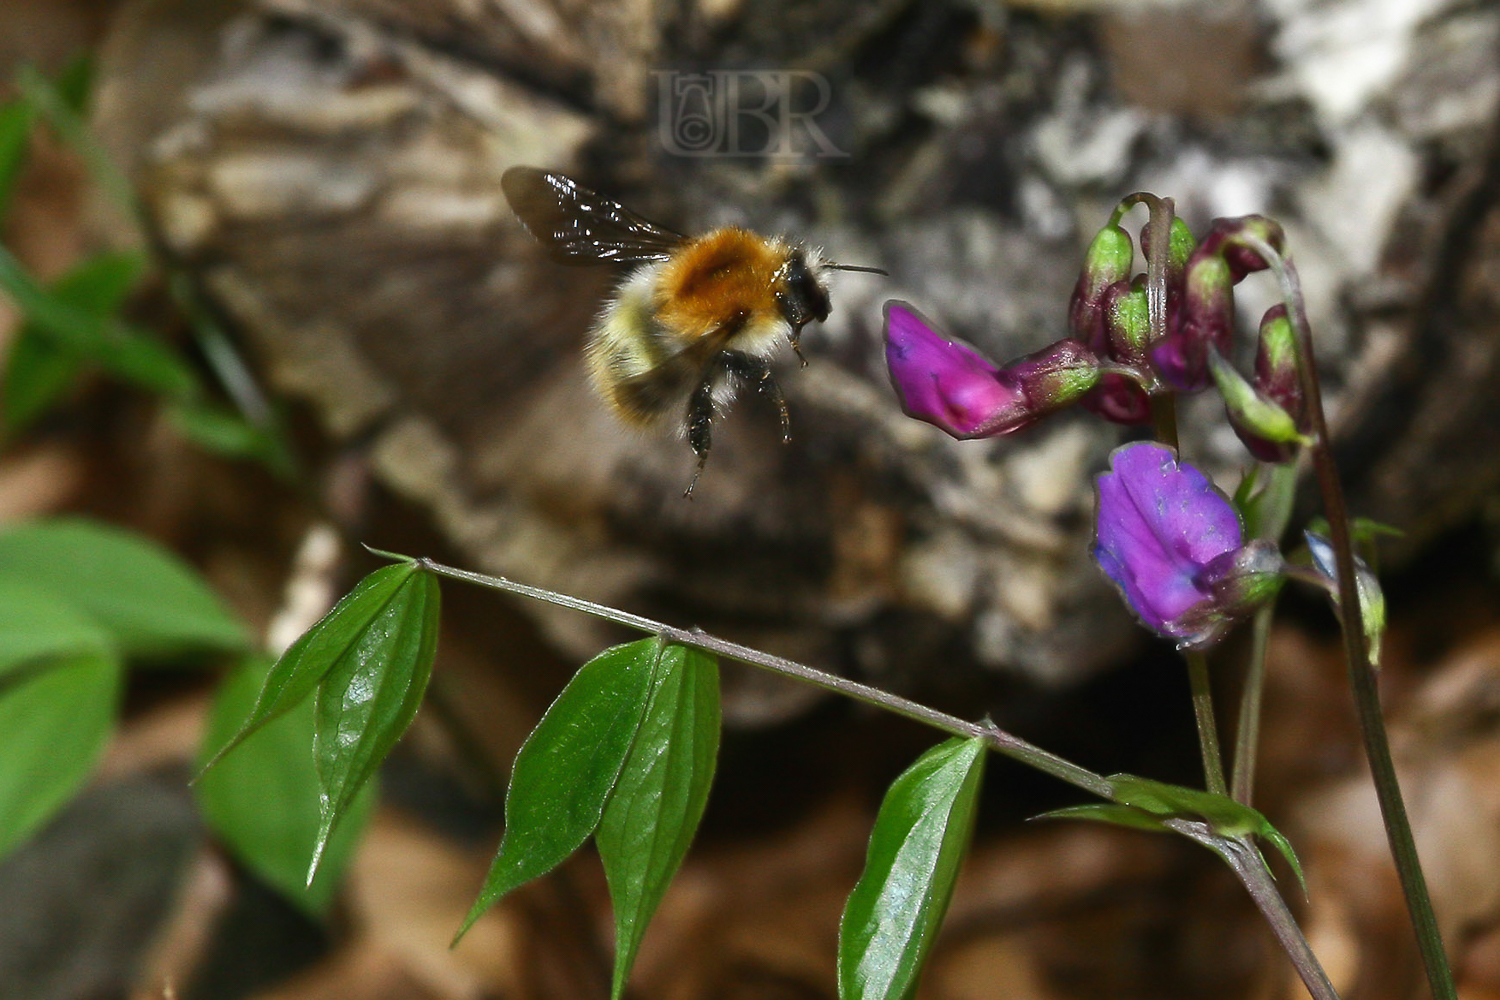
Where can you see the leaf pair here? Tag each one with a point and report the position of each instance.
(368, 660)
(76, 600)
(626, 753)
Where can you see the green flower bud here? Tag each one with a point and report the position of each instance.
(1109, 259)
(1127, 321)
(1261, 423)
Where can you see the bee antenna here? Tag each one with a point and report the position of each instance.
(857, 267)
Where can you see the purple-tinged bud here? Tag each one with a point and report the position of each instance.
(1173, 545)
(1268, 431)
(1108, 259)
(1223, 240)
(1276, 373)
(1178, 252)
(1127, 322)
(1205, 319)
(1119, 400)
(954, 388)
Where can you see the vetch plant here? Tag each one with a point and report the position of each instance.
(626, 753)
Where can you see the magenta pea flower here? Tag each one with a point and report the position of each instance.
(955, 388)
(1174, 546)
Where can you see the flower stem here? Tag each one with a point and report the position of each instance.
(1203, 714)
(997, 739)
(1273, 512)
(1361, 672)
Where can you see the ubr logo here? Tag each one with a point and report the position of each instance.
(769, 113)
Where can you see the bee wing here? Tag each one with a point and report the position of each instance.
(578, 226)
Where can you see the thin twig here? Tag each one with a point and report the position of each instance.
(997, 739)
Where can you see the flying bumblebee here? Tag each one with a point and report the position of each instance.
(696, 319)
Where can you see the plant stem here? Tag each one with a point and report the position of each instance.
(1361, 672)
(1273, 512)
(1247, 732)
(1203, 714)
(997, 739)
(1241, 855)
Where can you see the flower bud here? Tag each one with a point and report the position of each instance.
(1267, 430)
(1178, 252)
(1224, 240)
(1108, 260)
(1371, 597)
(1127, 322)
(1276, 373)
(1205, 319)
(954, 388)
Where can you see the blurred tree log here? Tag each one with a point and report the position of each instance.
(328, 172)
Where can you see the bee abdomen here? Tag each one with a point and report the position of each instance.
(638, 368)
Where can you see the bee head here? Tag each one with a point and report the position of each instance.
(800, 292)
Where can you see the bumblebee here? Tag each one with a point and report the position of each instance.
(698, 317)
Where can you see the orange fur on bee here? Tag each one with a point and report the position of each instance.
(723, 279)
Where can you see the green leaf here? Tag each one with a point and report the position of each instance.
(37, 624)
(1227, 817)
(567, 767)
(220, 430)
(37, 373)
(659, 797)
(61, 104)
(367, 699)
(919, 840)
(120, 349)
(75, 83)
(344, 633)
(263, 802)
(1106, 812)
(16, 119)
(54, 723)
(151, 602)
(38, 369)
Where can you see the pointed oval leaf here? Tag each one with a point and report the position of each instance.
(37, 369)
(567, 767)
(369, 697)
(54, 723)
(660, 795)
(263, 801)
(919, 840)
(37, 624)
(130, 353)
(336, 636)
(151, 602)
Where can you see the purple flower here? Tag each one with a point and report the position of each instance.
(1172, 543)
(953, 387)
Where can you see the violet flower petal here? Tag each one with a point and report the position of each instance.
(949, 385)
(1161, 524)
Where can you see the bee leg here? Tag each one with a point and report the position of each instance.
(795, 338)
(700, 418)
(748, 369)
